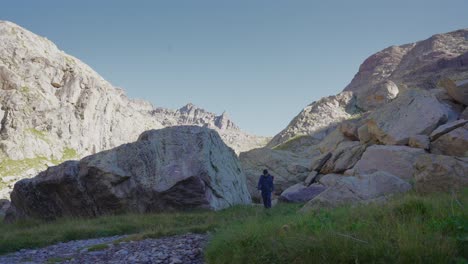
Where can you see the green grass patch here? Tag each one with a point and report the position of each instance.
(412, 229)
(10, 167)
(42, 135)
(288, 143)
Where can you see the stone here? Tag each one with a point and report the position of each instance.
(439, 173)
(319, 161)
(331, 141)
(344, 157)
(368, 188)
(364, 135)
(169, 169)
(444, 129)
(318, 119)
(396, 160)
(412, 113)
(349, 130)
(310, 178)
(453, 143)
(286, 167)
(419, 141)
(459, 93)
(300, 193)
(380, 94)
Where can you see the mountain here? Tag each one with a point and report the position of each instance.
(53, 107)
(381, 77)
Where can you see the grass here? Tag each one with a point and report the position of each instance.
(9, 167)
(412, 229)
(409, 229)
(35, 233)
(288, 143)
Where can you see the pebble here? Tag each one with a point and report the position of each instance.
(186, 248)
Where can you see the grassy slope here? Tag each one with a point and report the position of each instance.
(411, 229)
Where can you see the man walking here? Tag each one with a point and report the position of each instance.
(265, 184)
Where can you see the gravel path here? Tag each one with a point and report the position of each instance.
(186, 248)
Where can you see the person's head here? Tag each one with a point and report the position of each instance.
(265, 172)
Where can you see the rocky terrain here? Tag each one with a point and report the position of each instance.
(169, 169)
(53, 108)
(171, 250)
(400, 124)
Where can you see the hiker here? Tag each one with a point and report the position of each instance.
(265, 184)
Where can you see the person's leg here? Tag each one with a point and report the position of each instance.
(265, 199)
(269, 200)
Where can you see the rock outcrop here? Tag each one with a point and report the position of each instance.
(172, 168)
(439, 173)
(375, 187)
(453, 143)
(396, 160)
(318, 119)
(413, 113)
(421, 64)
(53, 107)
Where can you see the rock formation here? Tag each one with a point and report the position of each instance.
(53, 107)
(172, 168)
(400, 123)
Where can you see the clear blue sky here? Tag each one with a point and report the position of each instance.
(261, 61)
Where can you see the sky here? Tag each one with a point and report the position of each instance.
(260, 61)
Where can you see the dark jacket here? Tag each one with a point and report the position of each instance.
(265, 183)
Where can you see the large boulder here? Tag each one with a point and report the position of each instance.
(412, 113)
(344, 157)
(381, 94)
(287, 168)
(445, 128)
(457, 90)
(367, 188)
(396, 160)
(439, 173)
(168, 169)
(300, 193)
(454, 143)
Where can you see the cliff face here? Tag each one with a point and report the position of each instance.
(54, 107)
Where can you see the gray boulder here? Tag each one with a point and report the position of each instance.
(444, 129)
(458, 91)
(439, 173)
(419, 141)
(300, 193)
(375, 187)
(344, 157)
(453, 143)
(381, 94)
(168, 169)
(412, 113)
(396, 160)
